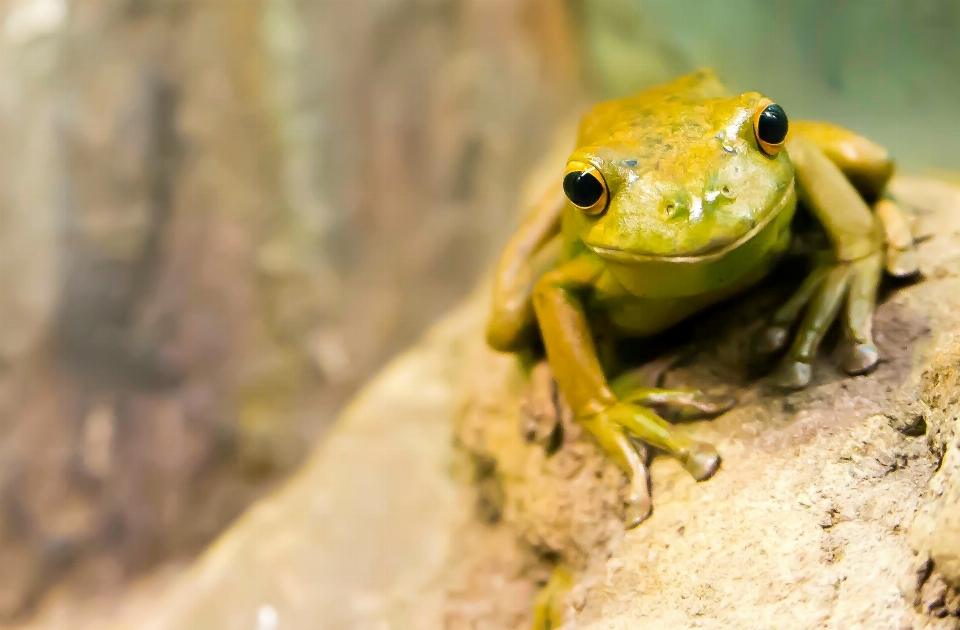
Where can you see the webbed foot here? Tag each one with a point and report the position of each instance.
(613, 424)
(638, 414)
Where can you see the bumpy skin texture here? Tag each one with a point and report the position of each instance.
(695, 211)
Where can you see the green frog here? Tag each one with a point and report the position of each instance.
(674, 200)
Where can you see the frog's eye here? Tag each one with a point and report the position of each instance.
(585, 188)
(770, 126)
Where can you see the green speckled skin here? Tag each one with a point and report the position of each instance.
(688, 176)
(695, 210)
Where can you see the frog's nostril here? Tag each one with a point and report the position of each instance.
(675, 209)
(723, 193)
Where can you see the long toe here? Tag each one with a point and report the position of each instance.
(639, 508)
(903, 263)
(860, 358)
(701, 461)
(712, 405)
(771, 340)
(793, 375)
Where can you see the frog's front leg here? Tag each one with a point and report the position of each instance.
(558, 302)
(848, 277)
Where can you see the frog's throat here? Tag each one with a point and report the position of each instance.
(620, 255)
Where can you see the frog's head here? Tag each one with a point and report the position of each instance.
(669, 175)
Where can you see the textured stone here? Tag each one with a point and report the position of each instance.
(442, 498)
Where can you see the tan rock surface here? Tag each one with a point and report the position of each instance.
(809, 524)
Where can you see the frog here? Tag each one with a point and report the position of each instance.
(674, 200)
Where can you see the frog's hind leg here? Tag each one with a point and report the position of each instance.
(868, 167)
(839, 174)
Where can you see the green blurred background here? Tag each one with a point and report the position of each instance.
(889, 69)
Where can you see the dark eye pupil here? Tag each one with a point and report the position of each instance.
(583, 189)
(772, 125)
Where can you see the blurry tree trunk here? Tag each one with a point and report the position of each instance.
(216, 218)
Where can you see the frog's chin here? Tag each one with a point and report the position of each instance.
(705, 255)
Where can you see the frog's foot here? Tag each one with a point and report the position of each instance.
(700, 459)
(827, 289)
(902, 260)
(549, 607)
(615, 442)
(776, 335)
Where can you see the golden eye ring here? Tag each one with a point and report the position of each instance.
(770, 126)
(585, 187)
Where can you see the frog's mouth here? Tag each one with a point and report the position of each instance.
(708, 254)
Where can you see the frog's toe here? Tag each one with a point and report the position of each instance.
(629, 455)
(639, 508)
(701, 460)
(682, 404)
(707, 406)
(902, 263)
(860, 358)
(793, 375)
(902, 260)
(773, 339)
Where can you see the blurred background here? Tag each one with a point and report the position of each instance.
(219, 217)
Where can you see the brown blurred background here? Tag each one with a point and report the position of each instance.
(219, 217)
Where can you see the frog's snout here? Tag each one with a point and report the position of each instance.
(689, 206)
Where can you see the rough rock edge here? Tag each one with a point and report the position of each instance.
(526, 490)
(935, 533)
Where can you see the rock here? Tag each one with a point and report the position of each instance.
(824, 514)
(356, 538)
